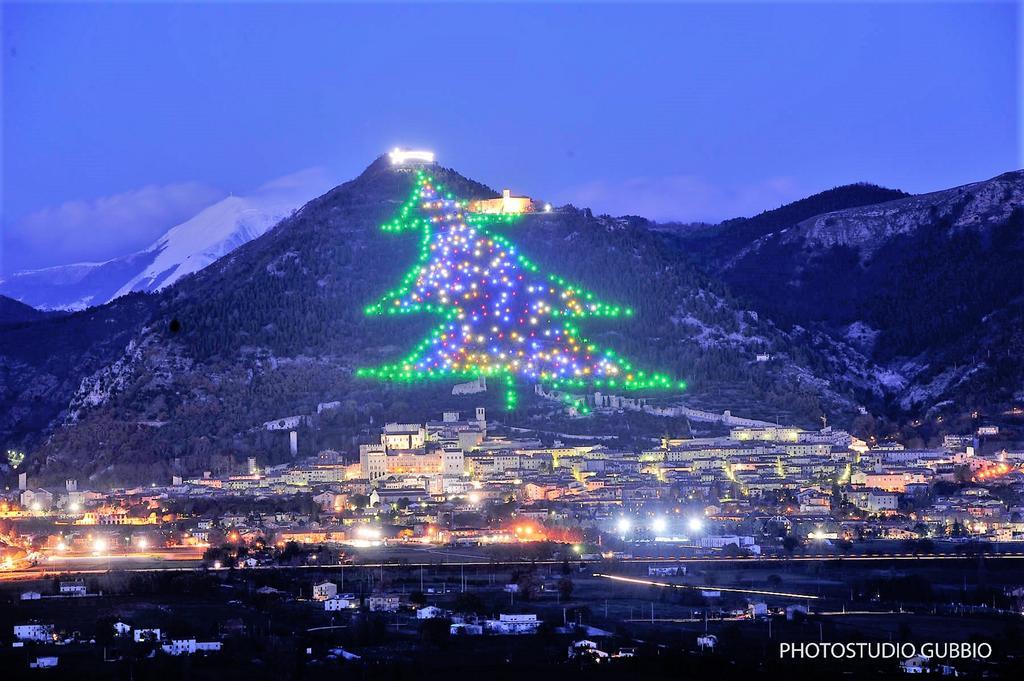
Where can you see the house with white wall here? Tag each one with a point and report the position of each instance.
(382, 603)
(345, 602)
(324, 590)
(189, 646)
(44, 662)
(430, 612)
(76, 588)
(146, 635)
(34, 632)
(513, 624)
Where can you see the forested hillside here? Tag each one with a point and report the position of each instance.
(922, 284)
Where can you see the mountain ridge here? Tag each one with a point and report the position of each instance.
(182, 379)
(924, 278)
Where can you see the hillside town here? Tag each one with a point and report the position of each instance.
(440, 481)
(461, 487)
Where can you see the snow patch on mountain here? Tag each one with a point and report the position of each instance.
(148, 355)
(972, 206)
(924, 392)
(212, 234)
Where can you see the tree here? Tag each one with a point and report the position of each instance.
(734, 551)
(469, 603)
(527, 582)
(435, 630)
(565, 587)
(502, 318)
(105, 631)
(790, 543)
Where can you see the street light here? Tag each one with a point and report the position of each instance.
(695, 524)
(624, 525)
(659, 525)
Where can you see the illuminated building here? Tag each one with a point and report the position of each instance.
(506, 204)
(378, 461)
(769, 434)
(36, 499)
(432, 449)
(404, 436)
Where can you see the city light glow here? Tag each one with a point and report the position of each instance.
(367, 532)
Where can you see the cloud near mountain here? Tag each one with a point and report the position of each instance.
(212, 232)
(101, 228)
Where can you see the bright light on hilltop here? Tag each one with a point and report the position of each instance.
(403, 156)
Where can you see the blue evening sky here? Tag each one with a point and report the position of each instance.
(121, 120)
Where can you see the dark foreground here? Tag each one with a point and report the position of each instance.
(270, 628)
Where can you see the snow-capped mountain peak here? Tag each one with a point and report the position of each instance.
(184, 249)
(213, 233)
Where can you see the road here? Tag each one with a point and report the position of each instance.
(77, 563)
(706, 587)
(159, 561)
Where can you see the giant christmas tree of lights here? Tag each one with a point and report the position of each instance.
(501, 318)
